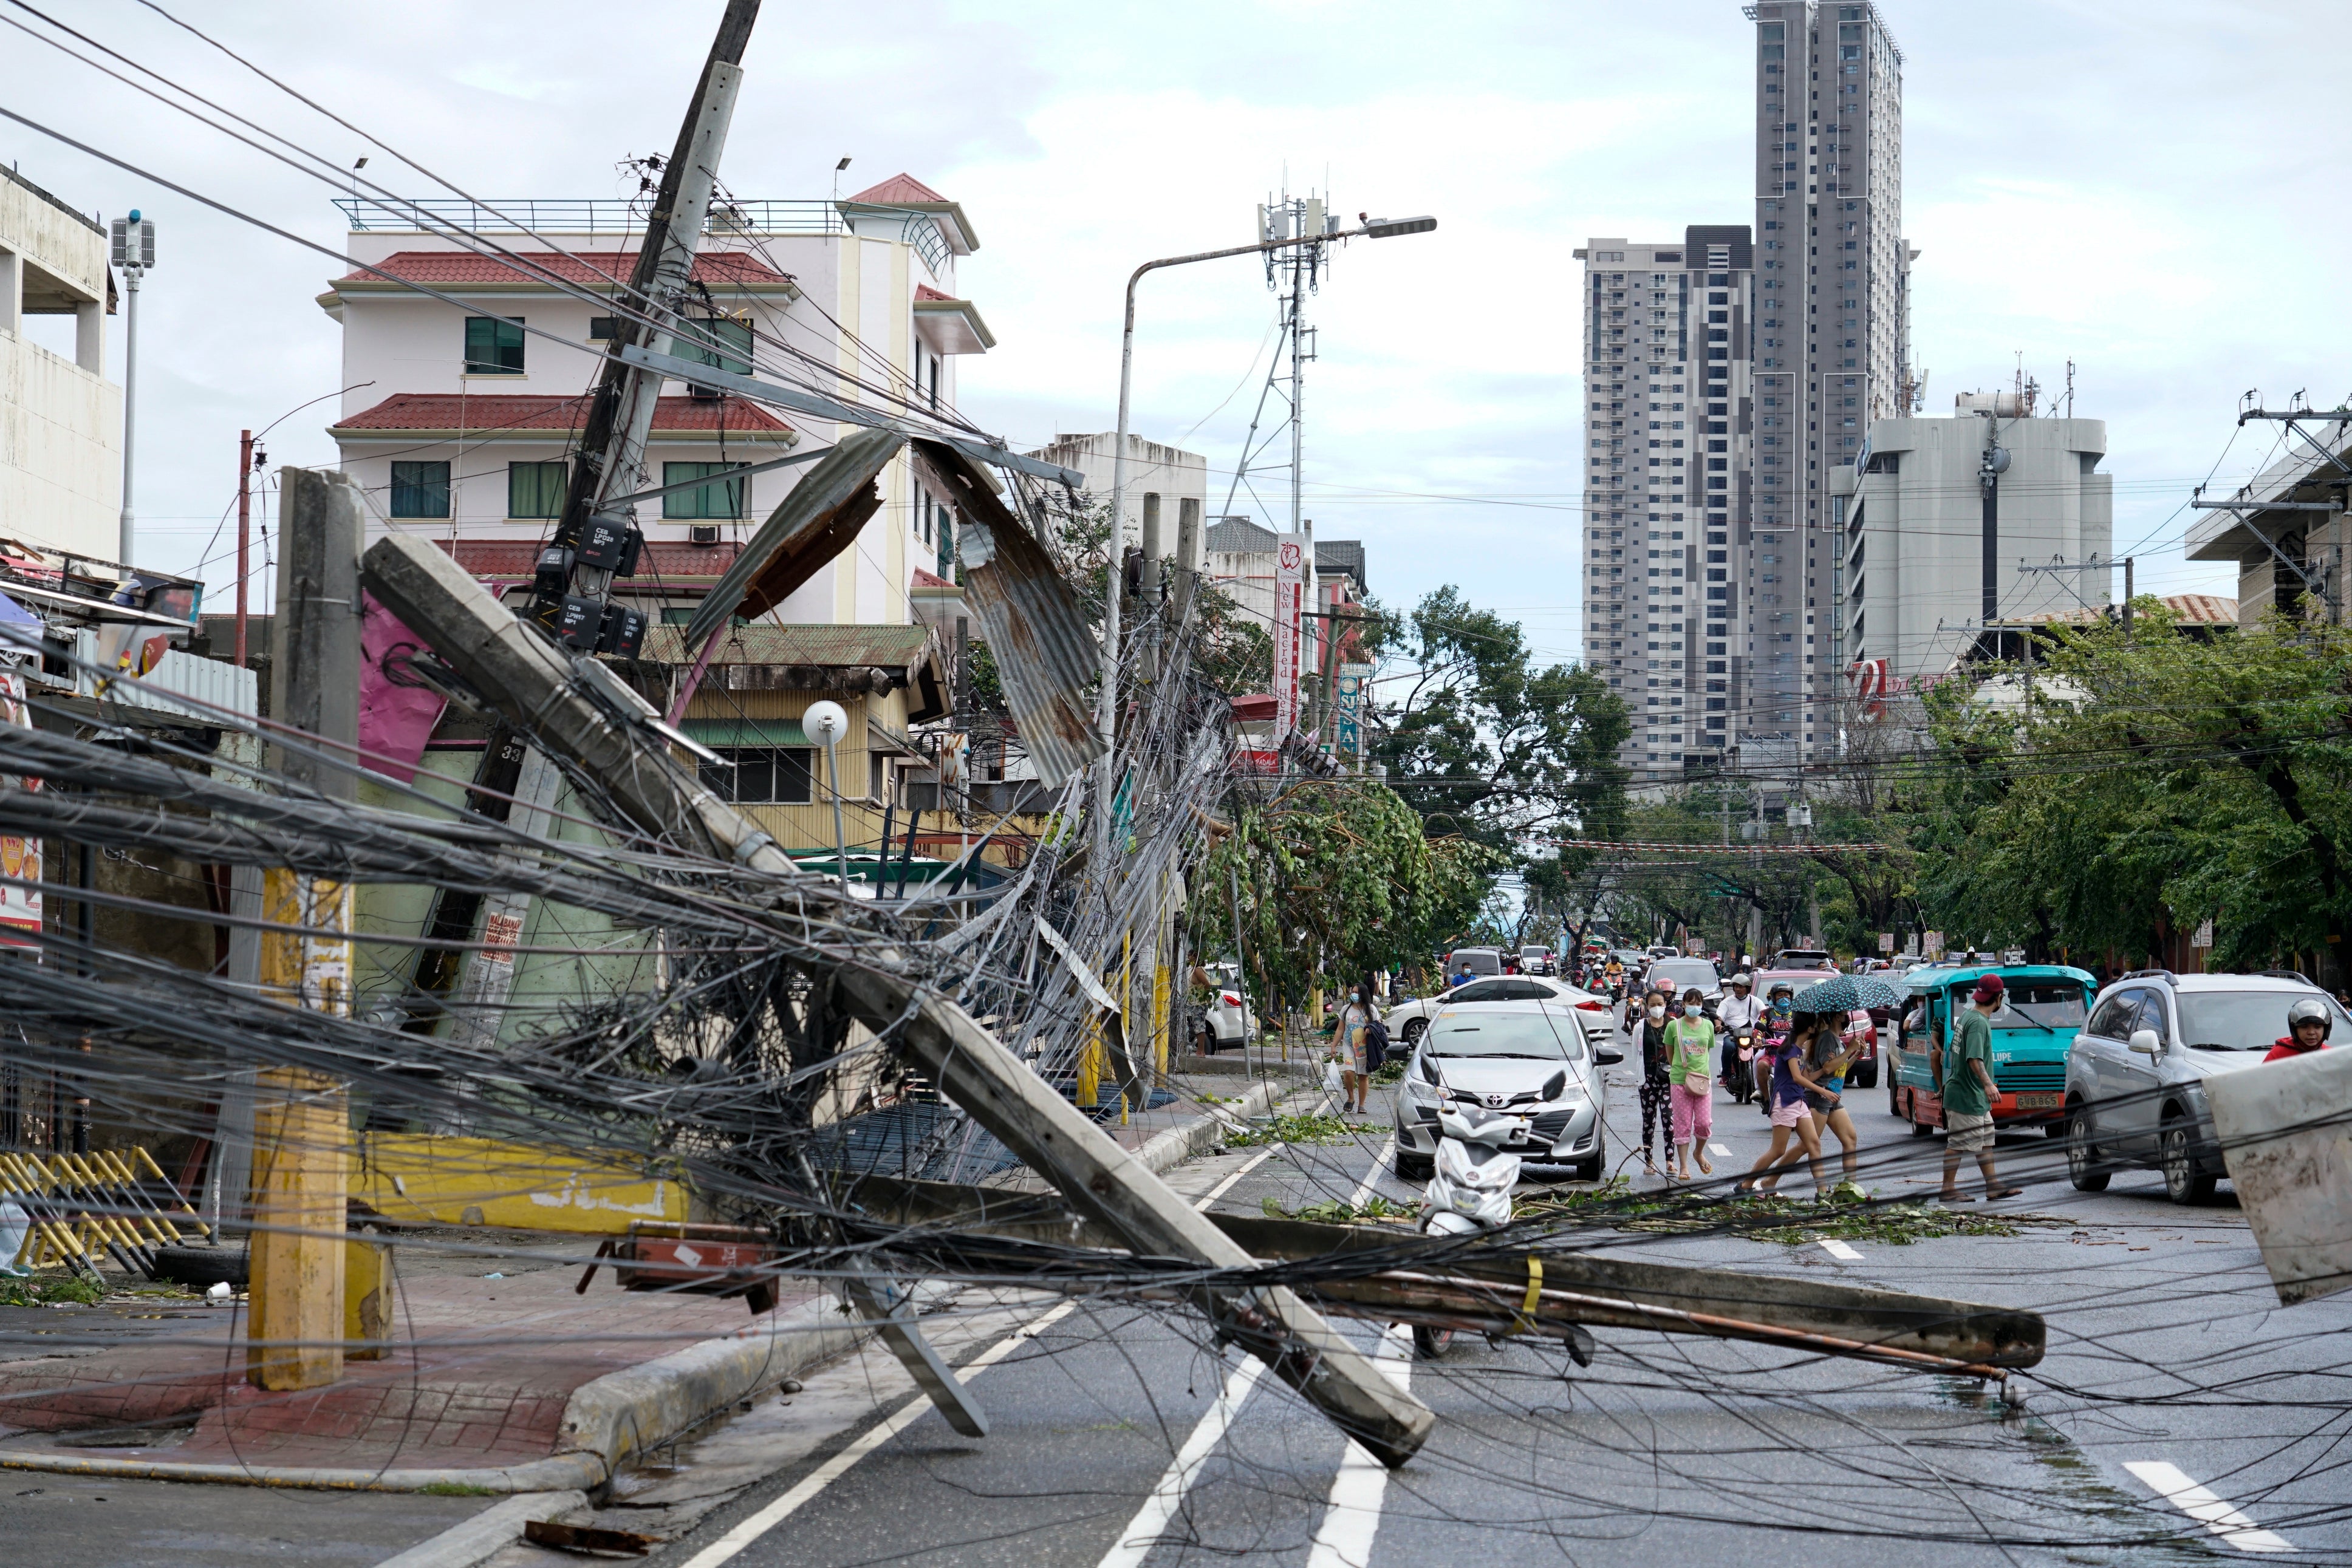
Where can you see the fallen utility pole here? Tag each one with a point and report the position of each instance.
(301, 1124)
(608, 735)
(1540, 1285)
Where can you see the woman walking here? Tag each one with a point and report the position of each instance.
(1792, 1117)
(1651, 1036)
(1347, 1036)
(1829, 1054)
(1690, 1040)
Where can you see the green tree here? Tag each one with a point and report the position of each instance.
(1484, 744)
(1335, 877)
(2137, 784)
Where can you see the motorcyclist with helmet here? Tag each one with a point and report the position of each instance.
(2308, 1024)
(1738, 1013)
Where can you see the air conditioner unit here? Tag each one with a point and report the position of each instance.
(702, 533)
(701, 394)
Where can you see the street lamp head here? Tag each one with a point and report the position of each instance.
(1388, 228)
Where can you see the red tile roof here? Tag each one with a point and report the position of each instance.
(479, 413)
(599, 268)
(925, 291)
(897, 189)
(663, 561)
(930, 579)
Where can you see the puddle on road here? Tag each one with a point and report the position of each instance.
(2080, 1489)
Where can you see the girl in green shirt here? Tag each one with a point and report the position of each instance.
(1690, 1043)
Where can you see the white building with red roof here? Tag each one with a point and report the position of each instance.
(466, 401)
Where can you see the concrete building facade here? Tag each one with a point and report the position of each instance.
(1832, 350)
(60, 419)
(1921, 558)
(1160, 480)
(472, 409)
(1668, 410)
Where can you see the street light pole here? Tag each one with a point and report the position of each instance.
(133, 249)
(1106, 700)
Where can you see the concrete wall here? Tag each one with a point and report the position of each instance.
(60, 419)
(1152, 469)
(1914, 565)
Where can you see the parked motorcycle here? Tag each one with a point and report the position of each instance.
(1474, 1172)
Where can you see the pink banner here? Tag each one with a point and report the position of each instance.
(1289, 608)
(396, 713)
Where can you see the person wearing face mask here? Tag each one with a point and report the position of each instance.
(1657, 1051)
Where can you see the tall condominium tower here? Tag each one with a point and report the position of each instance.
(1666, 360)
(1831, 344)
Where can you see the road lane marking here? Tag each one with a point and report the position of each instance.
(2199, 1503)
(1352, 1517)
(1225, 1186)
(1718, 1148)
(1372, 1177)
(834, 1468)
(1841, 1251)
(1143, 1532)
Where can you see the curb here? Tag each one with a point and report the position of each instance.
(606, 1421)
(1164, 1151)
(488, 1532)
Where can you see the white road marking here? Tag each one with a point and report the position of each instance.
(1841, 1251)
(1142, 1533)
(1352, 1518)
(834, 1468)
(1718, 1148)
(2201, 1504)
(1240, 1171)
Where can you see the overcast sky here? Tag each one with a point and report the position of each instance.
(2151, 188)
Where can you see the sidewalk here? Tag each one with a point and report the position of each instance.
(501, 1379)
(494, 1382)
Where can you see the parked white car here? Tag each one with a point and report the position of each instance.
(1406, 1022)
(1227, 1023)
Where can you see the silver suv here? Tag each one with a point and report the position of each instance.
(2136, 1071)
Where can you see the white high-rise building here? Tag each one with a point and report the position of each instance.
(1666, 337)
(1831, 344)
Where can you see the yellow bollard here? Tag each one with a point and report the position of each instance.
(1159, 1005)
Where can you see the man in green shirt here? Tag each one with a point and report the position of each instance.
(1968, 1090)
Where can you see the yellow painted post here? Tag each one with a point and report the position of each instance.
(301, 1124)
(367, 1297)
(301, 1130)
(1159, 1003)
(1090, 1062)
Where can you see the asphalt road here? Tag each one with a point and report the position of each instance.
(1667, 1448)
(2170, 1366)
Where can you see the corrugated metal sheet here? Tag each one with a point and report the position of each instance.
(815, 522)
(1045, 653)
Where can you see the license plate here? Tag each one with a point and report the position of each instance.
(2040, 1102)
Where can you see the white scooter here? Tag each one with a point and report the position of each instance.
(1476, 1171)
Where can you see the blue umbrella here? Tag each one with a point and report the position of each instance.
(1844, 993)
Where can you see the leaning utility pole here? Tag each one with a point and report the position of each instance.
(597, 538)
(302, 1122)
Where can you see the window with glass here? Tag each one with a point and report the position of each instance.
(535, 489)
(719, 341)
(782, 776)
(494, 345)
(420, 489)
(718, 501)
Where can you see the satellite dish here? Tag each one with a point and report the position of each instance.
(824, 723)
(1997, 460)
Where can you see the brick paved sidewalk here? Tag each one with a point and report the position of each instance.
(478, 1377)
